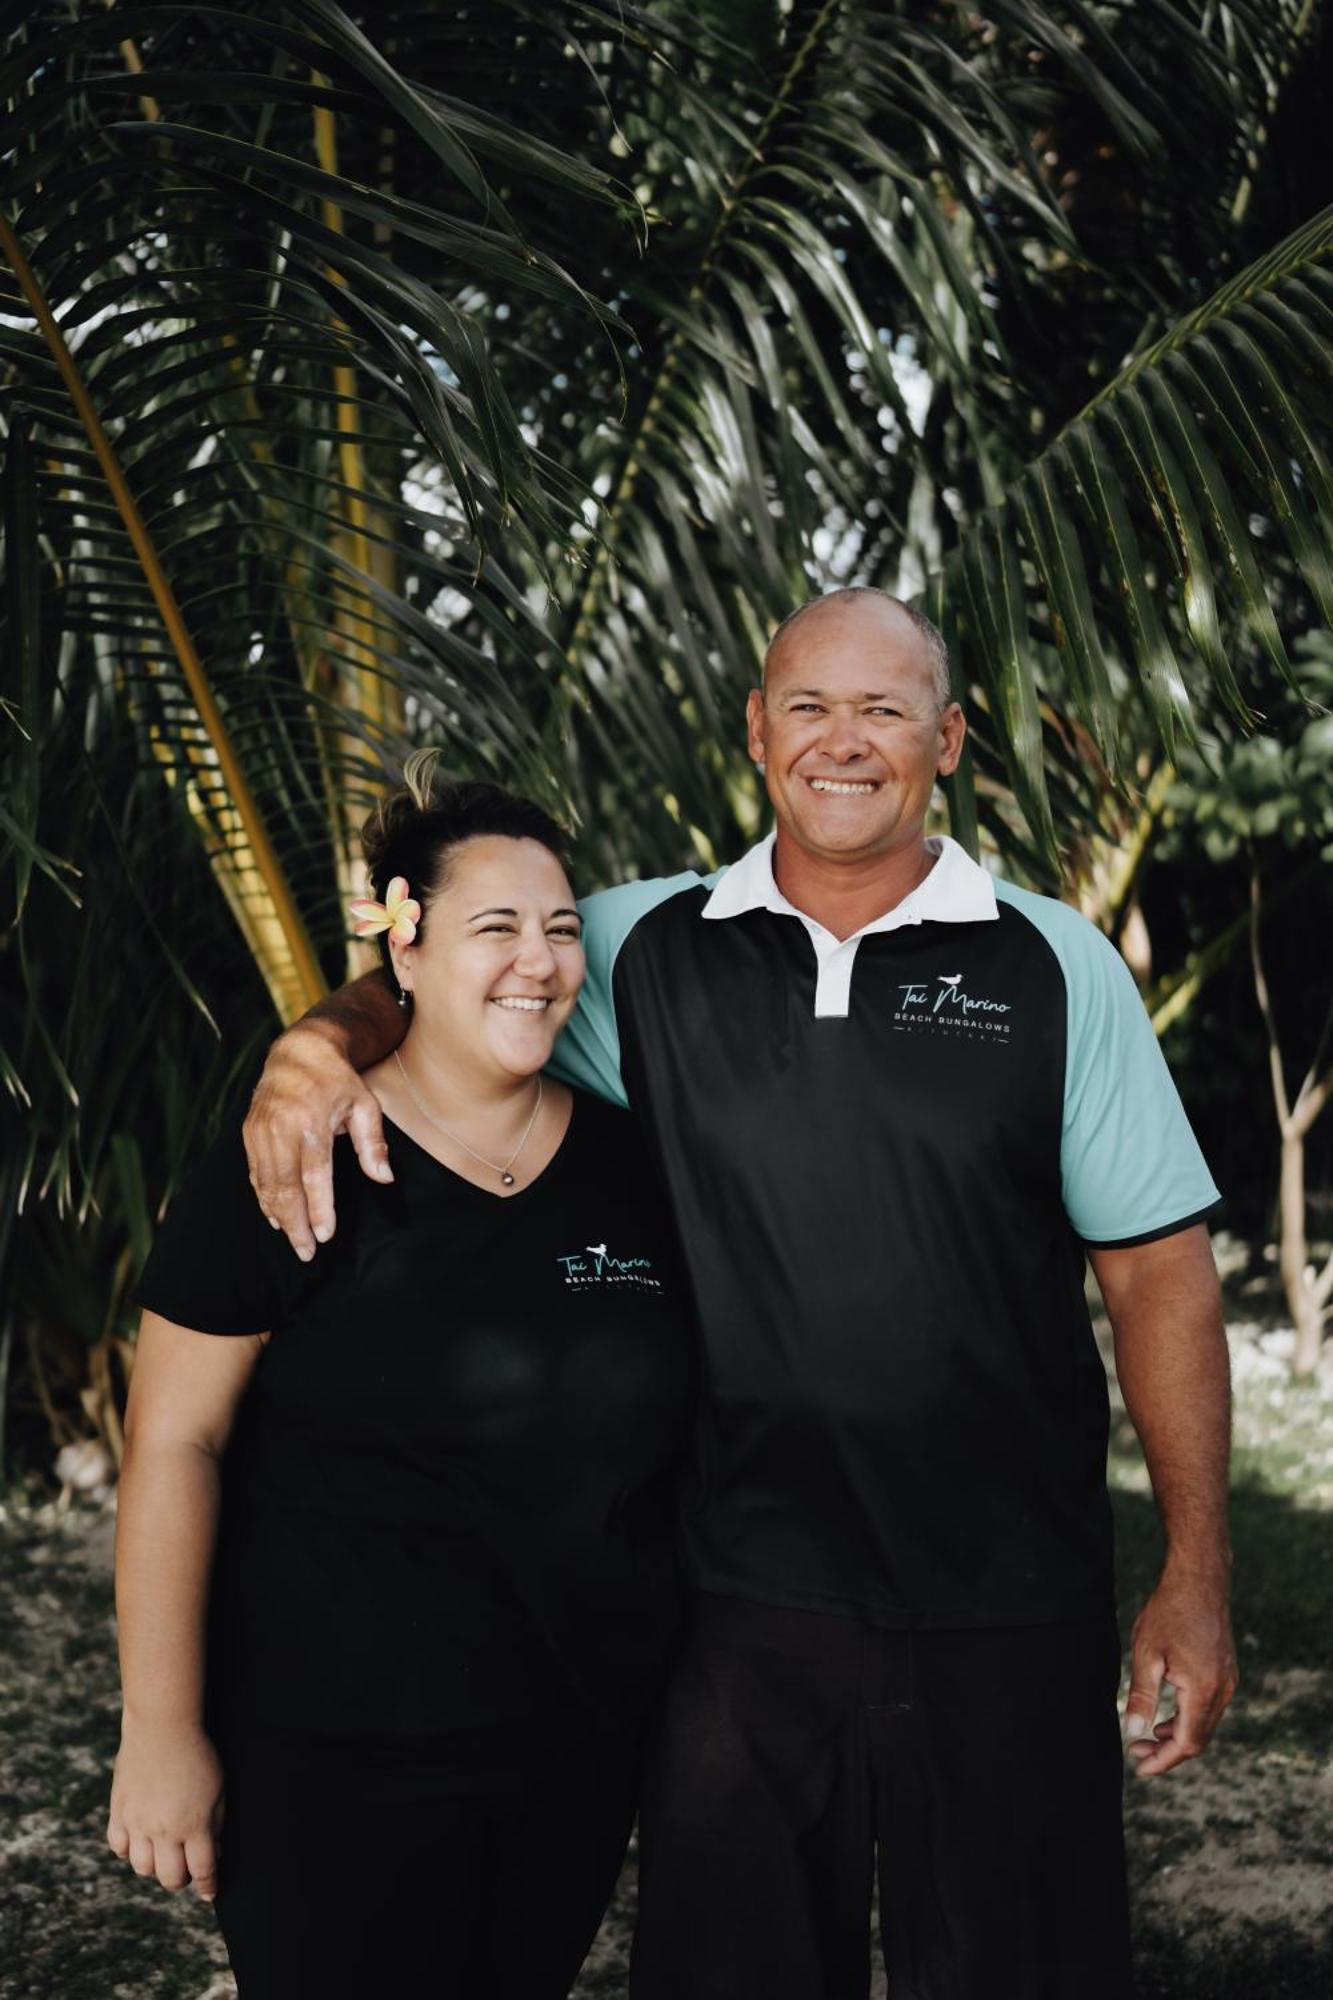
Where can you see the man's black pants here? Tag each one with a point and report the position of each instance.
(983, 1768)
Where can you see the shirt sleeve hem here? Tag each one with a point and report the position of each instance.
(1156, 1234)
(184, 1316)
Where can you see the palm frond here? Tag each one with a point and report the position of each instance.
(254, 881)
(332, 279)
(828, 387)
(1132, 551)
(211, 296)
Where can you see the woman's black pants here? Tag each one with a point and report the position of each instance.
(480, 1874)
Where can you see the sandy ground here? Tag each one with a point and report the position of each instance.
(1231, 1858)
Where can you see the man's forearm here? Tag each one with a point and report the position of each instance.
(1171, 1358)
(362, 1020)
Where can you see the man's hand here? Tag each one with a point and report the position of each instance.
(166, 1807)
(1171, 1355)
(1182, 1637)
(308, 1093)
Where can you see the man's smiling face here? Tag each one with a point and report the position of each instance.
(850, 730)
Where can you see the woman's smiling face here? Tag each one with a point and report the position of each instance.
(498, 962)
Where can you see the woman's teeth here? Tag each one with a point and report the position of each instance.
(521, 1006)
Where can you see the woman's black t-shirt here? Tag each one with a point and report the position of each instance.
(449, 1494)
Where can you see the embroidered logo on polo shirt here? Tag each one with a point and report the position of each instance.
(943, 1006)
(596, 1267)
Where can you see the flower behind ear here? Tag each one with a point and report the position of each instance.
(399, 914)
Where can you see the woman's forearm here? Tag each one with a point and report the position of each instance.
(166, 1796)
(165, 1534)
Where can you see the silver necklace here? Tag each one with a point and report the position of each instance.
(504, 1171)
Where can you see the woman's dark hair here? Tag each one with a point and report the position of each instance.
(414, 831)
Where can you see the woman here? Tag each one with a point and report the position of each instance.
(394, 1565)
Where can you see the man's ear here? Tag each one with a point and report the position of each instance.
(953, 728)
(754, 727)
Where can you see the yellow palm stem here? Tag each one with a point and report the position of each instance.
(350, 458)
(372, 696)
(310, 980)
(134, 63)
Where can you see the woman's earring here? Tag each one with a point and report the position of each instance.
(404, 995)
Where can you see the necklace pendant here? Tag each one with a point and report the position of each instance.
(507, 1178)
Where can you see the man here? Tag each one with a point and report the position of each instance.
(895, 1103)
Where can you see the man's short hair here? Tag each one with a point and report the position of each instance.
(937, 652)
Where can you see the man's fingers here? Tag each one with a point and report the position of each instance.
(274, 1162)
(283, 1201)
(1167, 1747)
(307, 1094)
(317, 1182)
(259, 1157)
(1188, 1732)
(1145, 1693)
(201, 1858)
(365, 1127)
(118, 1838)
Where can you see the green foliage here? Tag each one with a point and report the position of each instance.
(494, 376)
(1275, 787)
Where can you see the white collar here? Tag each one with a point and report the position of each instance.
(956, 891)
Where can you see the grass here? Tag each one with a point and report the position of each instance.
(1231, 1858)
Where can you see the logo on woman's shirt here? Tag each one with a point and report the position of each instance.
(596, 1265)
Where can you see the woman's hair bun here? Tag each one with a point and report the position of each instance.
(413, 831)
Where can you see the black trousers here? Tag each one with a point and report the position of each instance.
(476, 1875)
(980, 1772)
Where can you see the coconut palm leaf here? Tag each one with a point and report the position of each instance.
(830, 388)
(210, 288)
(330, 276)
(234, 831)
(1159, 500)
(329, 280)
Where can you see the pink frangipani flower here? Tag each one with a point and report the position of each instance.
(399, 914)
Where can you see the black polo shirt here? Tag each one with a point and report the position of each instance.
(886, 1155)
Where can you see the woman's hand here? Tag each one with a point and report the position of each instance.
(166, 1806)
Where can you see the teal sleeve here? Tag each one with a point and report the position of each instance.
(1130, 1166)
(588, 1052)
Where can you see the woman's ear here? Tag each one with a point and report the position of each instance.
(400, 958)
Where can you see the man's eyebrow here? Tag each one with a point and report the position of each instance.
(820, 694)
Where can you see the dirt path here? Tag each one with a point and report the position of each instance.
(1231, 1858)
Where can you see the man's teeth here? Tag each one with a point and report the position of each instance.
(520, 1005)
(840, 789)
